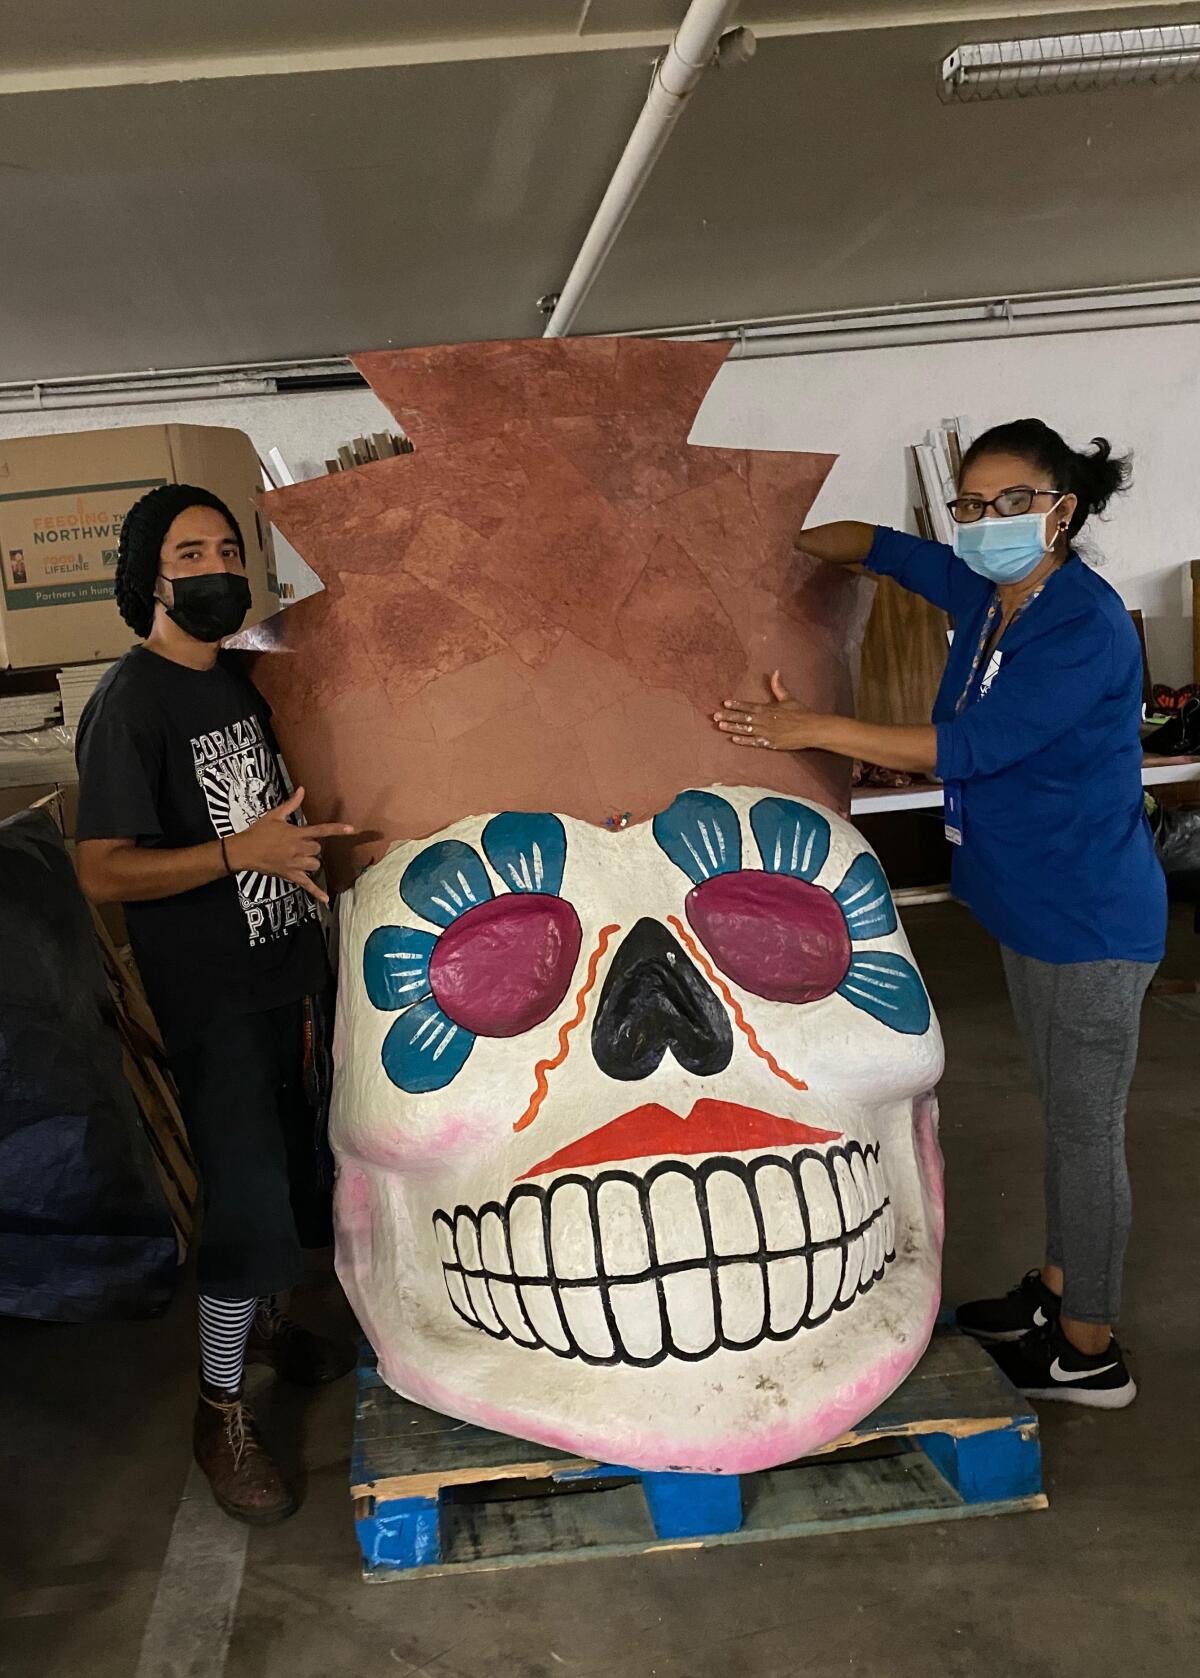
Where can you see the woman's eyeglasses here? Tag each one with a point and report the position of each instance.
(1010, 503)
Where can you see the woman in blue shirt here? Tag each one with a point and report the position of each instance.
(1035, 734)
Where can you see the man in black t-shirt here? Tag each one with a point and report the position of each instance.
(187, 818)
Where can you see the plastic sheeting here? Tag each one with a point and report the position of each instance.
(84, 1229)
(1177, 836)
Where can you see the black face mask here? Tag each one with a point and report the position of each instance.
(210, 607)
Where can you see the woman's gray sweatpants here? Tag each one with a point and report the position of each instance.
(1080, 1024)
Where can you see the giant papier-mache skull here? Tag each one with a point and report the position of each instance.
(634, 1123)
(637, 1148)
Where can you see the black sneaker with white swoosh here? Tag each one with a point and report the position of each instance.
(1029, 1305)
(1044, 1364)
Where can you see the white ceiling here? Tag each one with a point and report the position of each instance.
(78, 43)
(285, 178)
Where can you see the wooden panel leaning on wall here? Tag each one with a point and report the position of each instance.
(145, 1063)
(903, 656)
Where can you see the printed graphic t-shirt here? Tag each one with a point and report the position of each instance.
(173, 757)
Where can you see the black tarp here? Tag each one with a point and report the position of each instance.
(1177, 836)
(84, 1228)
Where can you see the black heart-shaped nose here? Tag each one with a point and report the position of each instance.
(655, 999)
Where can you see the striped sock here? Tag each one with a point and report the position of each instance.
(224, 1328)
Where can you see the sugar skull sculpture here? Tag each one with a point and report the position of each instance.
(634, 1107)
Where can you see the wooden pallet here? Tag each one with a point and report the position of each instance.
(149, 1077)
(433, 1495)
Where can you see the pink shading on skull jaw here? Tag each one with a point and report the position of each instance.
(778, 937)
(748, 1449)
(783, 1443)
(452, 1132)
(800, 1435)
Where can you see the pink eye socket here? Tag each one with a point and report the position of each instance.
(775, 936)
(504, 966)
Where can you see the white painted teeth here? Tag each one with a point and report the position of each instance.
(675, 1216)
(690, 1302)
(572, 1238)
(527, 1232)
(827, 1281)
(637, 1319)
(816, 1191)
(742, 1293)
(731, 1215)
(677, 1263)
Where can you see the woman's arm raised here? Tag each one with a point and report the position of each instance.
(847, 543)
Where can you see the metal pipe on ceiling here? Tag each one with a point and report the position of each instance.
(675, 77)
(38, 398)
(835, 342)
(1171, 303)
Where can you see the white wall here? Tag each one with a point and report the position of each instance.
(1138, 387)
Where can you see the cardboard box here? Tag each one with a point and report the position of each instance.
(62, 502)
(15, 799)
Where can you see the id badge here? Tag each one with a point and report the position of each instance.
(953, 812)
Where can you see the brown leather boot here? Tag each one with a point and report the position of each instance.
(296, 1353)
(245, 1480)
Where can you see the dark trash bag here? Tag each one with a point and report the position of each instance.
(1177, 840)
(84, 1229)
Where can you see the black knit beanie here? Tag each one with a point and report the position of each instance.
(140, 551)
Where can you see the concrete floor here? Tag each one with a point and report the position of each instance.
(1103, 1583)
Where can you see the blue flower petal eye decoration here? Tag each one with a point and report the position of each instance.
(528, 852)
(396, 966)
(444, 881)
(424, 1050)
(865, 899)
(890, 989)
(791, 838)
(701, 834)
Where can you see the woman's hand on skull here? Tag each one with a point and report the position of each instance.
(779, 724)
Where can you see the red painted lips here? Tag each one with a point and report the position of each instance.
(652, 1131)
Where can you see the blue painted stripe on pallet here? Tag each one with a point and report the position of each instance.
(402, 1533)
(693, 1505)
(985, 1467)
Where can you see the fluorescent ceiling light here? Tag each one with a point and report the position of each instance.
(1071, 63)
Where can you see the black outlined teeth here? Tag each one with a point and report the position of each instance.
(679, 1262)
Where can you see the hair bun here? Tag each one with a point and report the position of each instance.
(1099, 475)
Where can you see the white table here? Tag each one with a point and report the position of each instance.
(877, 801)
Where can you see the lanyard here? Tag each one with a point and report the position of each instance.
(984, 637)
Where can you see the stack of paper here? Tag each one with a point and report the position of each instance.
(76, 683)
(27, 713)
(938, 460)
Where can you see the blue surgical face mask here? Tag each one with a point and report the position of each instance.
(1003, 550)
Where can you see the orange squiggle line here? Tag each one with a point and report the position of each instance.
(734, 1006)
(564, 1031)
